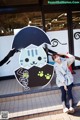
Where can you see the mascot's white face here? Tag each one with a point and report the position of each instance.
(32, 56)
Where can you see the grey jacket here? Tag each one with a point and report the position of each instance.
(63, 74)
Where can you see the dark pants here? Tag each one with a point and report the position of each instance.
(69, 92)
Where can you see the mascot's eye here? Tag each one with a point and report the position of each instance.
(26, 59)
(39, 58)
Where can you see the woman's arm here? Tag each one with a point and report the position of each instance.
(70, 58)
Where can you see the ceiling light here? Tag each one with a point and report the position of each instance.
(30, 22)
(49, 23)
(60, 15)
(2, 31)
(54, 20)
(62, 24)
(65, 14)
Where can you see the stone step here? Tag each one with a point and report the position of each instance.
(51, 115)
(36, 103)
(26, 95)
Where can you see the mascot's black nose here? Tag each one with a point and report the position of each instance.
(33, 62)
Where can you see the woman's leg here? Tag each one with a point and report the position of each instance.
(63, 96)
(63, 91)
(70, 97)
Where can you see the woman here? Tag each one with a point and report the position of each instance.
(64, 78)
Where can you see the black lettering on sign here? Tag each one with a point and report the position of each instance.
(77, 35)
(54, 42)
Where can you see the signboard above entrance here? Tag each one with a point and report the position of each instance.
(63, 1)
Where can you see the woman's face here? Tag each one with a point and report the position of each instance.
(57, 59)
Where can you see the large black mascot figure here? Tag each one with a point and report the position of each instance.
(34, 69)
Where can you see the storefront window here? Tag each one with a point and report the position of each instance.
(56, 29)
(76, 19)
(76, 34)
(56, 21)
(9, 22)
(10, 25)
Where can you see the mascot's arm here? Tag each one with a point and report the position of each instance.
(49, 51)
(7, 57)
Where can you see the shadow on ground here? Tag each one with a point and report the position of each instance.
(76, 113)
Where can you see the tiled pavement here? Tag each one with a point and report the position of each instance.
(48, 116)
(9, 87)
(37, 105)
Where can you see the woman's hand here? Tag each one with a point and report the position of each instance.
(65, 87)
